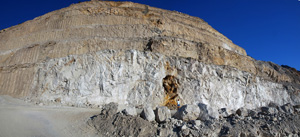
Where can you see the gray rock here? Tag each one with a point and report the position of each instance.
(224, 131)
(287, 108)
(269, 110)
(203, 112)
(130, 111)
(183, 127)
(148, 114)
(242, 112)
(196, 122)
(185, 132)
(121, 125)
(194, 133)
(252, 113)
(110, 109)
(223, 112)
(188, 113)
(297, 108)
(162, 114)
(242, 135)
(179, 123)
(161, 132)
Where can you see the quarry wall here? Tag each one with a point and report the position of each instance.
(93, 53)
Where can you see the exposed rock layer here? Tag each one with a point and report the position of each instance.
(94, 53)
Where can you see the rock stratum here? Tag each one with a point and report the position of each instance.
(94, 53)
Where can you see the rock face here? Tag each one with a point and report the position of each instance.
(93, 53)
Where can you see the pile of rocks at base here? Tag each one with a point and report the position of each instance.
(112, 123)
(264, 122)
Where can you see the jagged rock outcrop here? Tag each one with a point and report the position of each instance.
(93, 53)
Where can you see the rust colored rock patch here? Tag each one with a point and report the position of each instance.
(170, 84)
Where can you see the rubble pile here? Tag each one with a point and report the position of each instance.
(265, 122)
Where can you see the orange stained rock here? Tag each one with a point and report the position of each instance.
(170, 85)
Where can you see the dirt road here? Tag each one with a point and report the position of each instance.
(21, 119)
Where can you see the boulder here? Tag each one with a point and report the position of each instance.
(129, 111)
(162, 114)
(148, 114)
(188, 113)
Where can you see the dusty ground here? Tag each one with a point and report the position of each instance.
(18, 118)
(21, 119)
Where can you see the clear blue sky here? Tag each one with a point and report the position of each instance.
(269, 30)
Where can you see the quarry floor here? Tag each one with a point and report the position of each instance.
(18, 118)
(21, 119)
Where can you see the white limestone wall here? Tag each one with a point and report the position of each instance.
(133, 77)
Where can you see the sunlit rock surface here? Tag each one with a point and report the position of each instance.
(93, 53)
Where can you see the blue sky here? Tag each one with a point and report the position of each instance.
(268, 30)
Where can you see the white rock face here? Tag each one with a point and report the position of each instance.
(134, 78)
(129, 77)
(188, 112)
